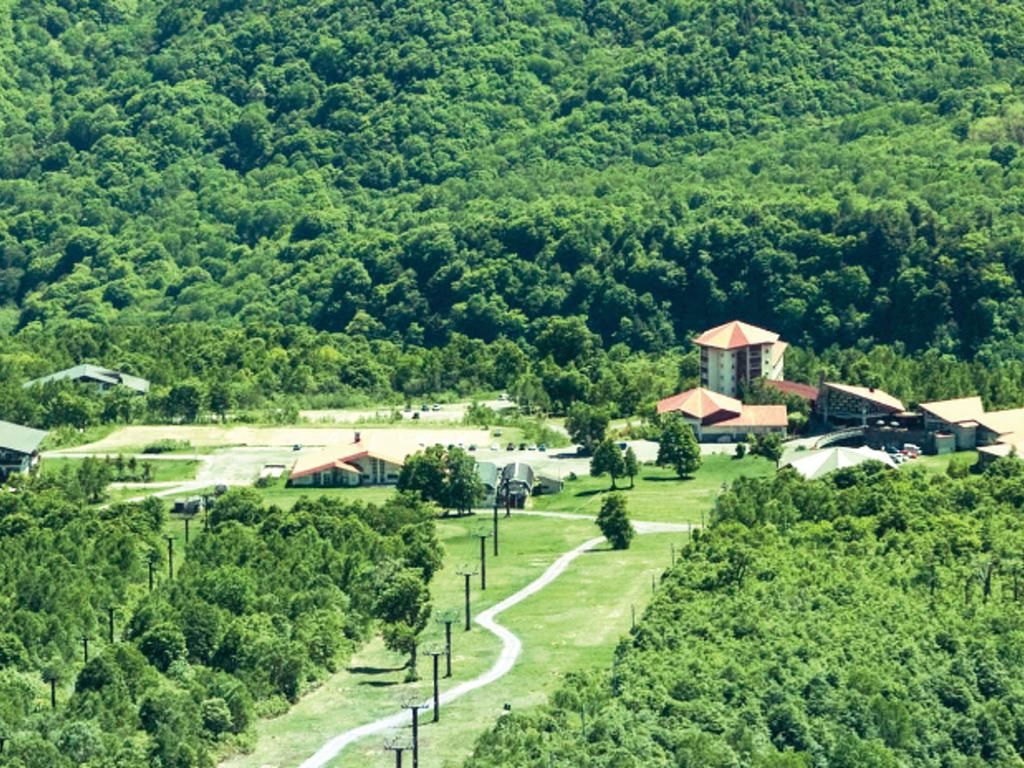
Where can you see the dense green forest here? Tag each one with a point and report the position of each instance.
(261, 605)
(872, 620)
(403, 172)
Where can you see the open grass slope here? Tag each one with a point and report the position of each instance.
(574, 621)
(658, 494)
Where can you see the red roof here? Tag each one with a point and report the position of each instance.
(734, 335)
(757, 416)
(700, 403)
(806, 391)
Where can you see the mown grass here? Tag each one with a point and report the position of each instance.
(162, 472)
(575, 622)
(658, 494)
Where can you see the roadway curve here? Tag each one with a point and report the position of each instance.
(511, 645)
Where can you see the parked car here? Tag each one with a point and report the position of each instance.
(435, 407)
(542, 447)
(297, 447)
(510, 447)
(522, 446)
(495, 447)
(911, 448)
(424, 407)
(531, 447)
(472, 447)
(622, 445)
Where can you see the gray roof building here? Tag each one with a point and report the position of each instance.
(487, 471)
(18, 448)
(518, 472)
(104, 378)
(19, 439)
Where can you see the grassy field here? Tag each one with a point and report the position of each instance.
(163, 471)
(286, 497)
(938, 464)
(573, 623)
(658, 494)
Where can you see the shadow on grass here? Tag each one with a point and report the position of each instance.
(668, 479)
(374, 670)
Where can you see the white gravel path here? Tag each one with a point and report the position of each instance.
(511, 645)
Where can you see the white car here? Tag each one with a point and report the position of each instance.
(495, 447)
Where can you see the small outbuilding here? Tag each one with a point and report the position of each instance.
(19, 448)
(517, 481)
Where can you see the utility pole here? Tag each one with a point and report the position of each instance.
(447, 617)
(170, 558)
(110, 624)
(436, 651)
(467, 572)
(482, 534)
(398, 745)
(85, 649)
(152, 565)
(413, 703)
(187, 518)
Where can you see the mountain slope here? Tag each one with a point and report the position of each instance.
(404, 170)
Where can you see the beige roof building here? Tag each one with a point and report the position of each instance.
(850, 404)
(361, 462)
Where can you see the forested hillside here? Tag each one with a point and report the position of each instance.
(842, 172)
(261, 606)
(870, 620)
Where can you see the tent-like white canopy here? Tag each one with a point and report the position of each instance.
(815, 464)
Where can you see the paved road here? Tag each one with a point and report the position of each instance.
(511, 645)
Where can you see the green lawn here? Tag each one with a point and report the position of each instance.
(575, 622)
(938, 464)
(286, 497)
(163, 471)
(658, 493)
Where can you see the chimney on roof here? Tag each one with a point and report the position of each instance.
(358, 437)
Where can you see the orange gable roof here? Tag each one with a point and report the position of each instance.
(872, 395)
(341, 457)
(955, 411)
(700, 403)
(734, 335)
(757, 416)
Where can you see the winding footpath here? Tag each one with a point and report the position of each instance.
(511, 645)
